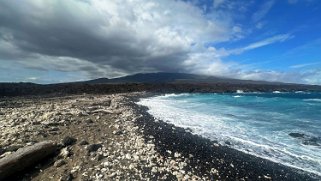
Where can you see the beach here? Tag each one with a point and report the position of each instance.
(110, 137)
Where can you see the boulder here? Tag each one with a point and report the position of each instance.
(25, 157)
(69, 141)
(297, 135)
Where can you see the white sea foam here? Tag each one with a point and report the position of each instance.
(302, 92)
(313, 100)
(239, 91)
(219, 125)
(174, 95)
(299, 92)
(276, 92)
(237, 96)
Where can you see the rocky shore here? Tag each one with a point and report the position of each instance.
(97, 139)
(109, 137)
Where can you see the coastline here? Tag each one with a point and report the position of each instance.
(114, 138)
(230, 163)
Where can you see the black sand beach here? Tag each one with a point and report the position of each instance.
(114, 138)
(205, 154)
(72, 73)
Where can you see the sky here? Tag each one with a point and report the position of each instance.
(56, 41)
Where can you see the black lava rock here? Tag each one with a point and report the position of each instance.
(297, 135)
(314, 141)
(2, 151)
(93, 147)
(69, 141)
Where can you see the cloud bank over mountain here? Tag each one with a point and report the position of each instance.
(102, 38)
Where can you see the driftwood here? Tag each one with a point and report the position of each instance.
(107, 111)
(25, 157)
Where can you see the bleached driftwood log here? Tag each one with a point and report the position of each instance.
(25, 157)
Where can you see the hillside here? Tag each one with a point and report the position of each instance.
(163, 77)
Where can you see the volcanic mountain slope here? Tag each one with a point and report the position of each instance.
(164, 77)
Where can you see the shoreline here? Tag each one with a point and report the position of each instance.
(231, 163)
(114, 138)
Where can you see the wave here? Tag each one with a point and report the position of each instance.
(312, 100)
(217, 124)
(302, 92)
(173, 95)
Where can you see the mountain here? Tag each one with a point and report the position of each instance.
(150, 82)
(164, 77)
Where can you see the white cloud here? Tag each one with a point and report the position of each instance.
(32, 78)
(209, 63)
(118, 37)
(263, 10)
(297, 66)
(312, 76)
(129, 35)
(218, 3)
(265, 42)
(222, 52)
(260, 25)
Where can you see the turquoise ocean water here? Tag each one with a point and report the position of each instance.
(282, 127)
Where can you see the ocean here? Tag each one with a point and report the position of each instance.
(284, 127)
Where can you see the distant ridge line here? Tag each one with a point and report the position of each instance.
(165, 77)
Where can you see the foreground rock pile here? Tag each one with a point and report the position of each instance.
(96, 136)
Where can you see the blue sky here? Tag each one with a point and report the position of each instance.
(59, 41)
(298, 19)
(301, 20)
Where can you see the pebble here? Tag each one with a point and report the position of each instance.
(267, 177)
(128, 156)
(108, 160)
(89, 121)
(74, 169)
(117, 132)
(64, 152)
(176, 155)
(83, 142)
(59, 163)
(66, 177)
(112, 175)
(154, 170)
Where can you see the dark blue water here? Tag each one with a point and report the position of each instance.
(282, 127)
